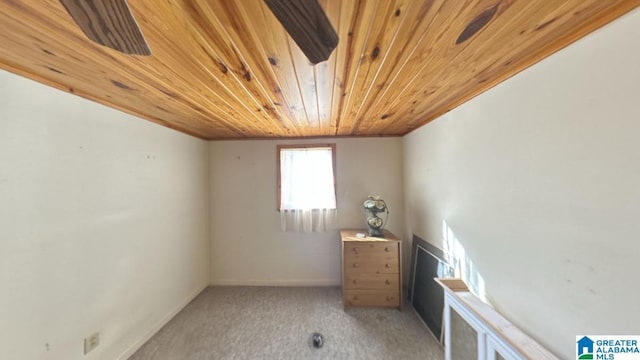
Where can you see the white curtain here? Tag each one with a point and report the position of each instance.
(307, 193)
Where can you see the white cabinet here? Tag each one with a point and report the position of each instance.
(497, 350)
(474, 330)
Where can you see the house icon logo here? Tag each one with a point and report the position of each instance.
(585, 348)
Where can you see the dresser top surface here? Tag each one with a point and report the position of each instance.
(350, 235)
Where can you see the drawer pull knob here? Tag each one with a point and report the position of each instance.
(389, 298)
(387, 282)
(387, 265)
(355, 281)
(355, 298)
(355, 264)
(355, 250)
(387, 249)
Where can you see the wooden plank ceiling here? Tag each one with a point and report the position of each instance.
(227, 69)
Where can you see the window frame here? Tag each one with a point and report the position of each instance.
(304, 146)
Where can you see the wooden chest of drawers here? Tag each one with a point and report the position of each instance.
(371, 270)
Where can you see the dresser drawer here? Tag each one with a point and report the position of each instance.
(371, 298)
(370, 264)
(387, 282)
(371, 248)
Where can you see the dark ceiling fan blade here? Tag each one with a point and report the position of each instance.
(109, 23)
(308, 25)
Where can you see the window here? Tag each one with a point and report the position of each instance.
(306, 187)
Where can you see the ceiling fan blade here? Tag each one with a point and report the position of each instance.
(308, 25)
(109, 23)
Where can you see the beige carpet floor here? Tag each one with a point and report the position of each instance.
(277, 323)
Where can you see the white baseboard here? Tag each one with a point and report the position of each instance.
(154, 329)
(282, 282)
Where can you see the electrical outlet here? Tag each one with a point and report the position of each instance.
(91, 342)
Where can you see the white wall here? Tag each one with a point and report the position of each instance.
(539, 180)
(103, 224)
(247, 245)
